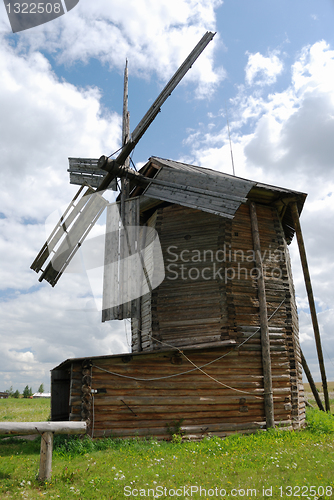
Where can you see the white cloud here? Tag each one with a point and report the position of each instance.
(43, 121)
(283, 132)
(261, 70)
(282, 138)
(46, 120)
(45, 327)
(296, 128)
(155, 37)
(286, 139)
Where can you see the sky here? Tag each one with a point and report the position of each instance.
(269, 70)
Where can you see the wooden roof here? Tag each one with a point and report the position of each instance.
(196, 187)
(127, 355)
(213, 191)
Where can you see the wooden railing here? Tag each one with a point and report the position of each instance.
(46, 430)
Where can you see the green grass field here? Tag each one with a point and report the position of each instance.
(275, 464)
(24, 410)
(319, 386)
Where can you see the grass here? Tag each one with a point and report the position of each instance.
(24, 410)
(111, 469)
(318, 385)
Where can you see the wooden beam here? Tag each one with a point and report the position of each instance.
(311, 382)
(154, 109)
(126, 114)
(45, 463)
(23, 428)
(310, 296)
(46, 430)
(265, 342)
(125, 185)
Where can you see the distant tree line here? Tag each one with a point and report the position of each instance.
(27, 392)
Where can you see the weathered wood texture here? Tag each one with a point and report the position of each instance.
(46, 430)
(125, 261)
(210, 291)
(310, 296)
(24, 428)
(151, 392)
(199, 189)
(264, 327)
(45, 463)
(85, 170)
(209, 296)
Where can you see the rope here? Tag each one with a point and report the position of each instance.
(191, 362)
(112, 154)
(204, 373)
(134, 166)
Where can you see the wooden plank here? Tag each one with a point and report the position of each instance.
(110, 298)
(132, 275)
(308, 285)
(312, 384)
(45, 465)
(191, 200)
(86, 170)
(24, 428)
(74, 238)
(265, 342)
(203, 178)
(61, 227)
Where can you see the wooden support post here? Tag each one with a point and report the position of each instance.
(46, 430)
(126, 114)
(125, 187)
(311, 382)
(265, 343)
(307, 278)
(45, 464)
(24, 428)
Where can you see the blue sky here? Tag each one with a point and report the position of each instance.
(271, 65)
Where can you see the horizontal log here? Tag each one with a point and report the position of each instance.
(179, 401)
(126, 419)
(215, 371)
(196, 433)
(215, 390)
(181, 384)
(25, 428)
(200, 429)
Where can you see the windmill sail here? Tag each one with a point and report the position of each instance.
(133, 262)
(95, 204)
(69, 235)
(85, 170)
(153, 111)
(64, 222)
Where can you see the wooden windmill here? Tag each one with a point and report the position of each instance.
(216, 341)
(95, 176)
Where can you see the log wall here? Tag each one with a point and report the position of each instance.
(125, 407)
(148, 393)
(189, 309)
